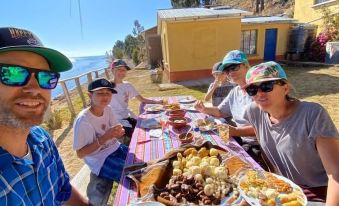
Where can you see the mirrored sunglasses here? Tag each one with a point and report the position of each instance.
(17, 76)
(252, 90)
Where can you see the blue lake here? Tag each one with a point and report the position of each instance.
(81, 65)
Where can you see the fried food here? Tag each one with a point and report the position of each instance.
(269, 188)
(172, 106)
(235, 165)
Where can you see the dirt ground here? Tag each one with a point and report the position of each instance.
(315, 84)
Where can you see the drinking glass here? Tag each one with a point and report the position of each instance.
(224, 134)
(165, 101)
(163, 124)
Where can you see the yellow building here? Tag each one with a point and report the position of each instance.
(193, 39)
(310, 11)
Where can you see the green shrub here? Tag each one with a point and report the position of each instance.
(55, 120)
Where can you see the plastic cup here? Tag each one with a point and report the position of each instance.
(165, 101)
(224, 133)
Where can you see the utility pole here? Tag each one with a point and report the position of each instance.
(259, 6)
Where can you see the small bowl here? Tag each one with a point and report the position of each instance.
(177, 122)
(186, 138)
(177, 113)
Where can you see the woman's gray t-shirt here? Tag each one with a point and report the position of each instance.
(290, 144)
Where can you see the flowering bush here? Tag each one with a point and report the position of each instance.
(318, 47)
(329, 33)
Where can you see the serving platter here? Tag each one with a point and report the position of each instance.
(187, 100)
(206, 124)
(153, 108)
(265, 188)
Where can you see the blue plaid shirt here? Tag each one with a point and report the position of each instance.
(42, 181)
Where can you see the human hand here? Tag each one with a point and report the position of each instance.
(218, 80)
(115, 132)
(199, 105)
(158, 101)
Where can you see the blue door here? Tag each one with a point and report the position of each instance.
(270, 44)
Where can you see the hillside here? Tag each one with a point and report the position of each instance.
(271, 7)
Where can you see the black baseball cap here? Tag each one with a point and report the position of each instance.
(215, 68)
(101, 83)
(119, 63)
(16, 39)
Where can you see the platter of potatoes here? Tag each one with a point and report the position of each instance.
(201, 176)
(198, 177)
(204, 175)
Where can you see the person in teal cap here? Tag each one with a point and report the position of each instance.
(235, 65)
(298, 137)
(220, 87)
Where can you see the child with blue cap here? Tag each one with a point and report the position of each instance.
(235, 65)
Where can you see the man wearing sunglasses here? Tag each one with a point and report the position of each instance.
(298, 137)
(235, 65)
(31, 170)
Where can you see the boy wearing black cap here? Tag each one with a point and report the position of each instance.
(95, 137)
(31, 170)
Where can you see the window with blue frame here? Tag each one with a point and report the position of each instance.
(249, 41)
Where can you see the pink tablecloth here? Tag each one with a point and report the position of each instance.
(143, 148)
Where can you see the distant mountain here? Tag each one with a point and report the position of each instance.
(271, 7)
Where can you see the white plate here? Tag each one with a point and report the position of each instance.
(153, 108)
(189, 107)
(209, 127)
(149, 203)
(255, 202)
(150, 123)
(187, 100)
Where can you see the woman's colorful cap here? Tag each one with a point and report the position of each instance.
(263, 72)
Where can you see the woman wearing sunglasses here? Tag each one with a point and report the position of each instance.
(299, 138)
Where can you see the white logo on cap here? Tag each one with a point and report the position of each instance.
(32, 41)
(104, 82)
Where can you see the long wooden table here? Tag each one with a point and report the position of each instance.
(143, 148)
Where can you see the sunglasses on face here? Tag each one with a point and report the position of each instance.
(17, 76)
(252, 90)
(232, 68)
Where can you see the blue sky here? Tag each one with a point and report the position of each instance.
(57, 23)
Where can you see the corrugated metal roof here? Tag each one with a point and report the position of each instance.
(196, 13)
(265, 19)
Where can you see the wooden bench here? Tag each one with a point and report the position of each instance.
(81, 180)
(100, 189)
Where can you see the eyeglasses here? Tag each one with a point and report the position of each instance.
(252, 90)
(17, 76)
(232, 67)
